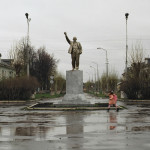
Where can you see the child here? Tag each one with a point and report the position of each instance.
(115, 98)
(112, 101)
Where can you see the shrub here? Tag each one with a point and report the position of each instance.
(20, 88)
(136, 81)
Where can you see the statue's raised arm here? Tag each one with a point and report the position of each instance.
(67, 38)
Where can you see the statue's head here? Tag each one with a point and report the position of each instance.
(74, 39)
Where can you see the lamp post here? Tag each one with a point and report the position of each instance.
(89, 82)
(106, 65)
(97, 75)
(28, 20)
(89, 75)
(126, 64)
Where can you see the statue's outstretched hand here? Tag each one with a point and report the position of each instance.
(65, 33)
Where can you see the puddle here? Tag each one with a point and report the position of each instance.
(81, 130)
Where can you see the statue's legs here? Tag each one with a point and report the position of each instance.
(73, 56)
(77, 60)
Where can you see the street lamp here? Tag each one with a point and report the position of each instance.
(28, 20)
(89, 81)
(89, 76)
(106, 65)
(97, 75)
(126, 64)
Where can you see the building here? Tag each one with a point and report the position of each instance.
(147, 61)
(6, 69)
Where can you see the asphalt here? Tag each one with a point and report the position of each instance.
(74, 130)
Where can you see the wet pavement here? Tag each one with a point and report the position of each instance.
(74, 130)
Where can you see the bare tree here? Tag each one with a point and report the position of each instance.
(112, 81)
(18, 53)
(60, 82)
(43, 66)
(136, 79)
(136, 54)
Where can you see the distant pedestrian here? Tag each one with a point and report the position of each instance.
(112, 101)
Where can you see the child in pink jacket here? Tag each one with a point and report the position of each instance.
(112, 101)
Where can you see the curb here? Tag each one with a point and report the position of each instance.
(70, 108)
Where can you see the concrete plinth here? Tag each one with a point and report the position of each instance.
(74, 88)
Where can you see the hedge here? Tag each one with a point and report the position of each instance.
(19, 88)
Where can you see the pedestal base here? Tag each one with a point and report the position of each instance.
(74, 88)
(74, 99)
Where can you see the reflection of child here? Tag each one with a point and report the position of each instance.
(112, 101)
(113, 119)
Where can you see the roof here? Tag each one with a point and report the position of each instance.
(147, 58)
(6, 65)
(8, 61)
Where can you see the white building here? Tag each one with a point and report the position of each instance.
(147, 61)
(6, 69)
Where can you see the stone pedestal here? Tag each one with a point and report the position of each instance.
(74, 88)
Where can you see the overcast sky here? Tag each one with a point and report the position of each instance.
(95, 23)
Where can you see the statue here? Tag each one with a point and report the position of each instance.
(75, 50)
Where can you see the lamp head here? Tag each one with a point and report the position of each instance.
(26, 14)
(126, 15)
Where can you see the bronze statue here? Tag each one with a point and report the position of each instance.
(75, 50)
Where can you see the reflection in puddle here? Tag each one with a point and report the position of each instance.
(75, 130)
(28, 133)
(112, 120)
(74, 123)
(6, 133)
(33, 127)
(143, 128)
